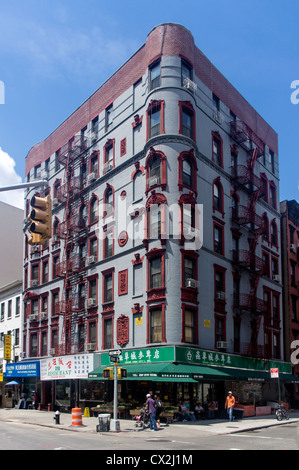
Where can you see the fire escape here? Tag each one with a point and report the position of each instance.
(245, 216)
(73, 231)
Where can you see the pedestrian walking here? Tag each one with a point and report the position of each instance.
(159, 408)
(229, 405)
(151, 407)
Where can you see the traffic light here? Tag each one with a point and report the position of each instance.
(41, 218)
(121, 373)
(108, 373)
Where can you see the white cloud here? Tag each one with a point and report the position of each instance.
(9, 177)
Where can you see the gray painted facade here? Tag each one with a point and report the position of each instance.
(138, 100)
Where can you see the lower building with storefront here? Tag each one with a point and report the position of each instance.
(180, 373)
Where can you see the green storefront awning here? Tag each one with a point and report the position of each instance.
(166, 372)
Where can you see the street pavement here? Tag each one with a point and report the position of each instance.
(127, 427)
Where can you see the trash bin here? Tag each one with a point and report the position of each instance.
(104, 423)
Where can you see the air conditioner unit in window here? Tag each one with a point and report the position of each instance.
(33, 317)
(52, 352)
(154, 180)
(43, 315)
(91, 177)
(55, 238)
(192, 283)
(189, 85)
(222, 344)
(35, 249)
(275, 277)
(91, 259)
(34, 283)
(91, 302)
(91, 346)
(55, 202)
(292, 247)
(108, 166)
(220, 295)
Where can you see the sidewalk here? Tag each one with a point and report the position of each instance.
(127, 427)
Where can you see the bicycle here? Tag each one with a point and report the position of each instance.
(281, 414)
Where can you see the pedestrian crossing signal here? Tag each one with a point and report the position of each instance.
(108, 373)
(121, 373)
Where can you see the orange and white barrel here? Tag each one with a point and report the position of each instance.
(76, 417)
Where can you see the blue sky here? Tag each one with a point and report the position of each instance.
(55, 53)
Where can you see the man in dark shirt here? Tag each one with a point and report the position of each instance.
(151, 407)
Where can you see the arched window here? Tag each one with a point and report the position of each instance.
(156, 217)
(187, 171)
(93, 210)
(218, 196)
(108, 201)
(155, 166)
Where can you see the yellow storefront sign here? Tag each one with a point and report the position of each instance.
(7, 347)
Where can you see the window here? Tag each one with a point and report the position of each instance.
(54, 266)
(18, 306)
(155, 273)
(187, 123)
(2, 311)
(155, 122)
(154, 221)
(216, 102)
(44, 344)
(265, 227)
(219, 329)
(189, 326)
(155, 322)
(33, 345)
(108, 244)
(155, 118)
(187, 119)
(108, 117)
(94, 164)
(92, 332)
(95, 125)
(108, 287)
(35, 273)
(108, 202)
(217, 149)
(275, 301)
(154, 75)
(217, 196)
(187, 171)
(218, 239)
(273, 233)
(93, 211)
(109, 155)
(93, 247)
(186, 71)
(9, 309)
(237, 335)
(108, 338)
(45, 273)
(272, 195)
(54, 303)
(155, 170)
(92, 288)
(190, 272)
(37, 172)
